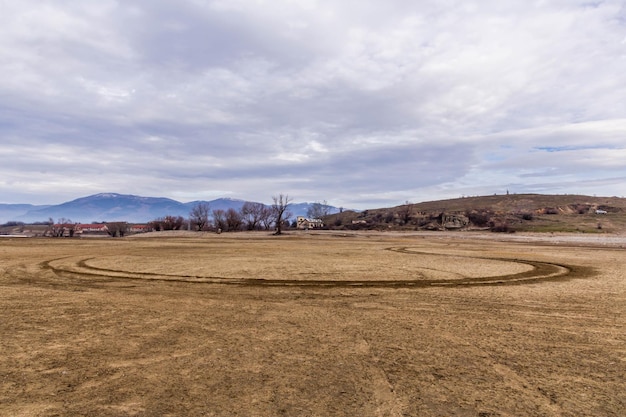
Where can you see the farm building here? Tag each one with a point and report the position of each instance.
(91, 228)
(304, 223)
(139, 228)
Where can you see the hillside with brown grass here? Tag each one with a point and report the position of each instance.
(498, 213)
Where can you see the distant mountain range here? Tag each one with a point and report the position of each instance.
(121, 207)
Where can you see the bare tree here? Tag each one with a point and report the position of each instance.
(252, 214)
(233, 220)
(155, 224)
(168, 222)
(63, 228)
(280, 212)
(267, 217)
(405, 212)
(199, 215)
(318, 210)
(219, 219)
(117, 229)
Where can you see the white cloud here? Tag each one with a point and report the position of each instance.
(357, 101)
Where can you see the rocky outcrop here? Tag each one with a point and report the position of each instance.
(450, 221)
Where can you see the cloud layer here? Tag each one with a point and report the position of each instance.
(360, 103)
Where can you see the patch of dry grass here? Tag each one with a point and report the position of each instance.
(98, 327)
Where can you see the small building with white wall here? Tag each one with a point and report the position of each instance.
(304, 223)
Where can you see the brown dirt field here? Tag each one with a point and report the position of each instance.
(324, 324)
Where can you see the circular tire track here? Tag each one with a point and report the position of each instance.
(540, 272)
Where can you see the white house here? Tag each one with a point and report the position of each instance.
(306, 224)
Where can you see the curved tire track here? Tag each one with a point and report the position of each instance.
(540, 272)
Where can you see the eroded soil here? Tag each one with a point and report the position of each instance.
(311, 325)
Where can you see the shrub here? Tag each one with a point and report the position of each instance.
(479, 218)
(527, 216)
(500, 227)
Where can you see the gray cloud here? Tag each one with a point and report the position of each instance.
(359, 103)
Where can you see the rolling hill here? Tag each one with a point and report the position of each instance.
(504, 213)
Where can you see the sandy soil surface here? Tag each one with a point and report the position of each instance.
(314, 324)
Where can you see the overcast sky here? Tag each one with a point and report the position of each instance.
(361, 103)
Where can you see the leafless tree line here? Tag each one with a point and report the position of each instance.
(251, 216)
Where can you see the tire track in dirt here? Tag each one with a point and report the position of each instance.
(541, 271)
(387, 402)
(516, 382)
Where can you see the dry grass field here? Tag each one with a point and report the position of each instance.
(313, 324)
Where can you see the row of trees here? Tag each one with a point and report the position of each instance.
(251, 216)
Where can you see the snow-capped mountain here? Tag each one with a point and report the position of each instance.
(121, 207)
